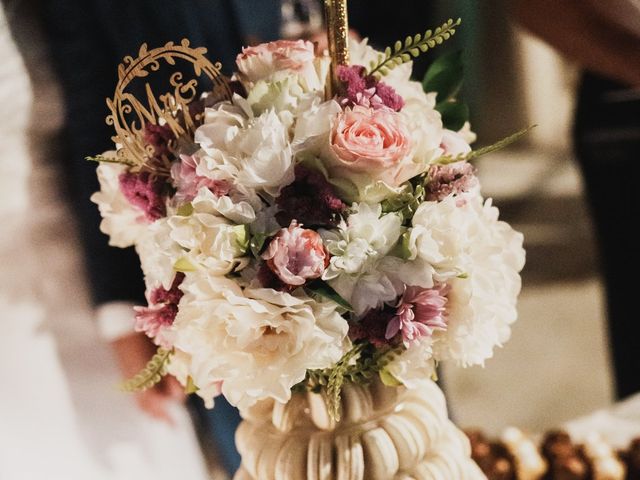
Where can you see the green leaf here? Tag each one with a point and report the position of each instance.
(191, 386)
(151, 374)
(445, 76)
(185, 210)
(454, 114)
(322, 288)
(183, 265)
(256, 244)
(242, 237)
(388, 379)
(405, 251)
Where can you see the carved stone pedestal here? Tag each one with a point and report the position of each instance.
(385, 433)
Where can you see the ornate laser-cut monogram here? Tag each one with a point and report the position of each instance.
(129, 114)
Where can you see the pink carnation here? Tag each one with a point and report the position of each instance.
(161, 312)
(419, 313)
(452, 179)
(261, 61)
(146, 192)
(296, 255)
(188, 182)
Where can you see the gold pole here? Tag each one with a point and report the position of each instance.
(338, 37)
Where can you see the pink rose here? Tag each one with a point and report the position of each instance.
(296, 255)
(260, 62)
(375, 142)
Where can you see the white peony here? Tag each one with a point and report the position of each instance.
(254, 150)
(356, 247)
(258, 342)
(158, 254)
(180, 366)
(123, 222)
(482, 302)
(211, 236)
(424, 123)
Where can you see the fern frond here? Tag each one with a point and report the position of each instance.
(412, 47)
(499, 145)
(103, 159)
(151, 374)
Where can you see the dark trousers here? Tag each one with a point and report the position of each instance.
(607, 140)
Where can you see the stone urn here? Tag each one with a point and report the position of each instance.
(385, 433)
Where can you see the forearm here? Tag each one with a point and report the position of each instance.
(577, 31)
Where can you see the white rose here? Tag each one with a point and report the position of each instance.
(258, 342)
(124, 223)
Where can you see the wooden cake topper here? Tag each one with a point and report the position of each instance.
(130, 114)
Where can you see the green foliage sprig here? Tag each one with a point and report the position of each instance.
(499, 145)
(412, 47)
(359, 365)
(103, 159)
(336, 380)
(151, 374)
(405, 203)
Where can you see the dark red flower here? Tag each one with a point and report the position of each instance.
(310, 200)
(146, 192)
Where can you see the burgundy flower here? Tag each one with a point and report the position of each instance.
(159, 137)
(366, 90)
(310, 199)
(452, 179)
(161, 312)
(146, 192)
(372, 327)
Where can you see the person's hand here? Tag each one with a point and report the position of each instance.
(133, 352)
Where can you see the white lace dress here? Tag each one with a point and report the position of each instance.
(61, 416)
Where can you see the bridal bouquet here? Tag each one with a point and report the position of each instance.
(298, 239)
